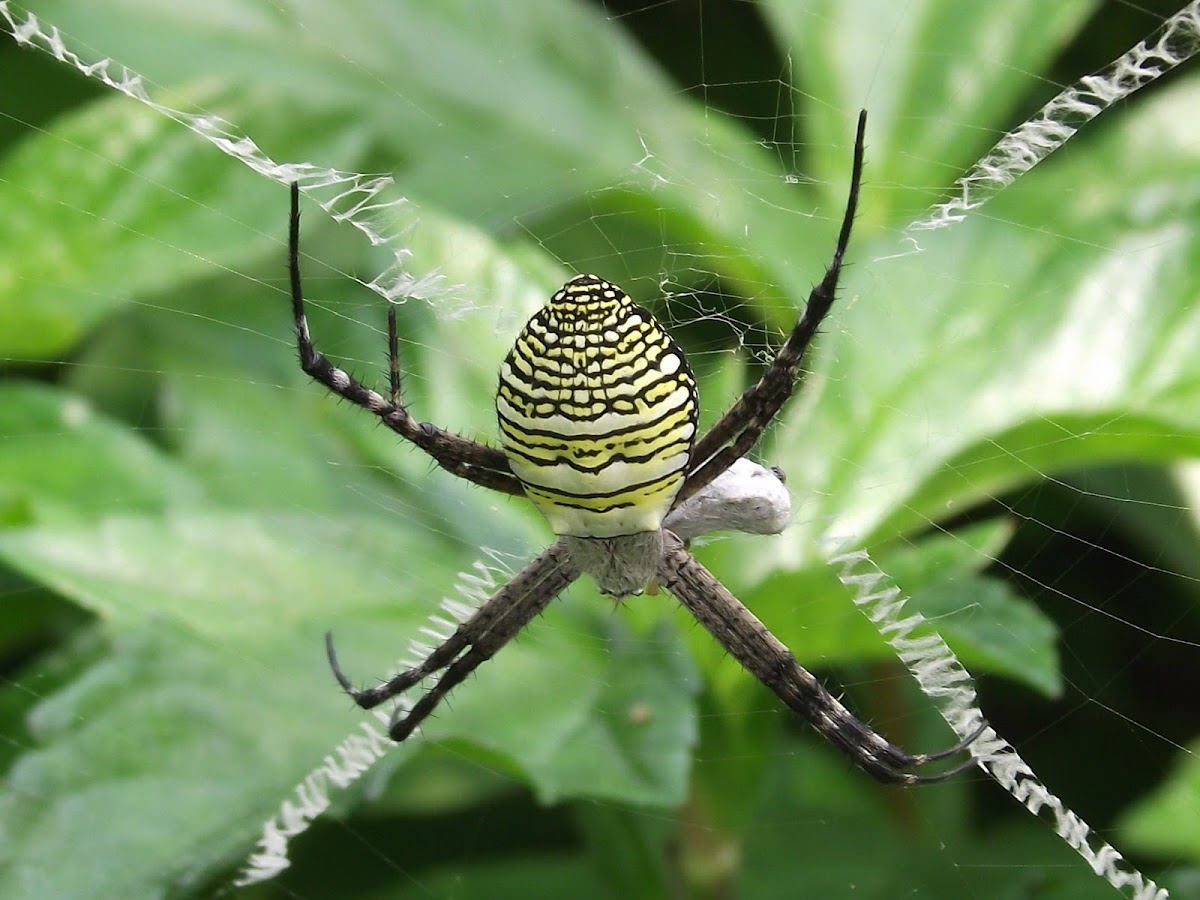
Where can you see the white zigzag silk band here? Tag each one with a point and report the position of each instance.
(943, 679)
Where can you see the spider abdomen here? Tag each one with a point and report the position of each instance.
(597, 409)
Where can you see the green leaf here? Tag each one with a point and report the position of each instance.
(1070, 351)
(1163, 823)
(993, 629)
(144, 208)
(846, 845)
(425, 83)
(216, 677)
(918, 100)
(982, 618)
(65, 460)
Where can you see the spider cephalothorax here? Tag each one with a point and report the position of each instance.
(597, 410)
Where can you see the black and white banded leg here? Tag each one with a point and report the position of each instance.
(476, 462)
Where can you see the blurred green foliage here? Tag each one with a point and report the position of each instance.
(184, 515)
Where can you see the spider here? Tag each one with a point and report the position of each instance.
(597, 408)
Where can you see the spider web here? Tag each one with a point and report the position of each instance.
(731, 308)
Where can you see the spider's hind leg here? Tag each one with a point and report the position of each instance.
(475, 641)
(369, 698)
(768, 660)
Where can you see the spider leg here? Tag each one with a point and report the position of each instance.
(478, 463)
(737, 431)
(478, 639)
(768, 660)
(405, 722)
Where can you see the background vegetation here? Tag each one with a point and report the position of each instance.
(1002, 419)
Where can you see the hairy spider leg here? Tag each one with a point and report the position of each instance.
(478, 463)
(477, 640)
(759, 652)
(744, 422)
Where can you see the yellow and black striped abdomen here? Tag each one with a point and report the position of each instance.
(597, 409)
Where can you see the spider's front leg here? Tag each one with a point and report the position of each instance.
(476, 462)
(477, 640)
(738, 430)
(768, 660)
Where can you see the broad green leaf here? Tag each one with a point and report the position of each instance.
(1008, 355)
(117, 201)
(994, 629)
(983, 619)
(845, 845)
(988, 624)
(1163, 823)
(499, 138)
(940, 556)
(66, 461)
(217, 678)
(939, 78)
